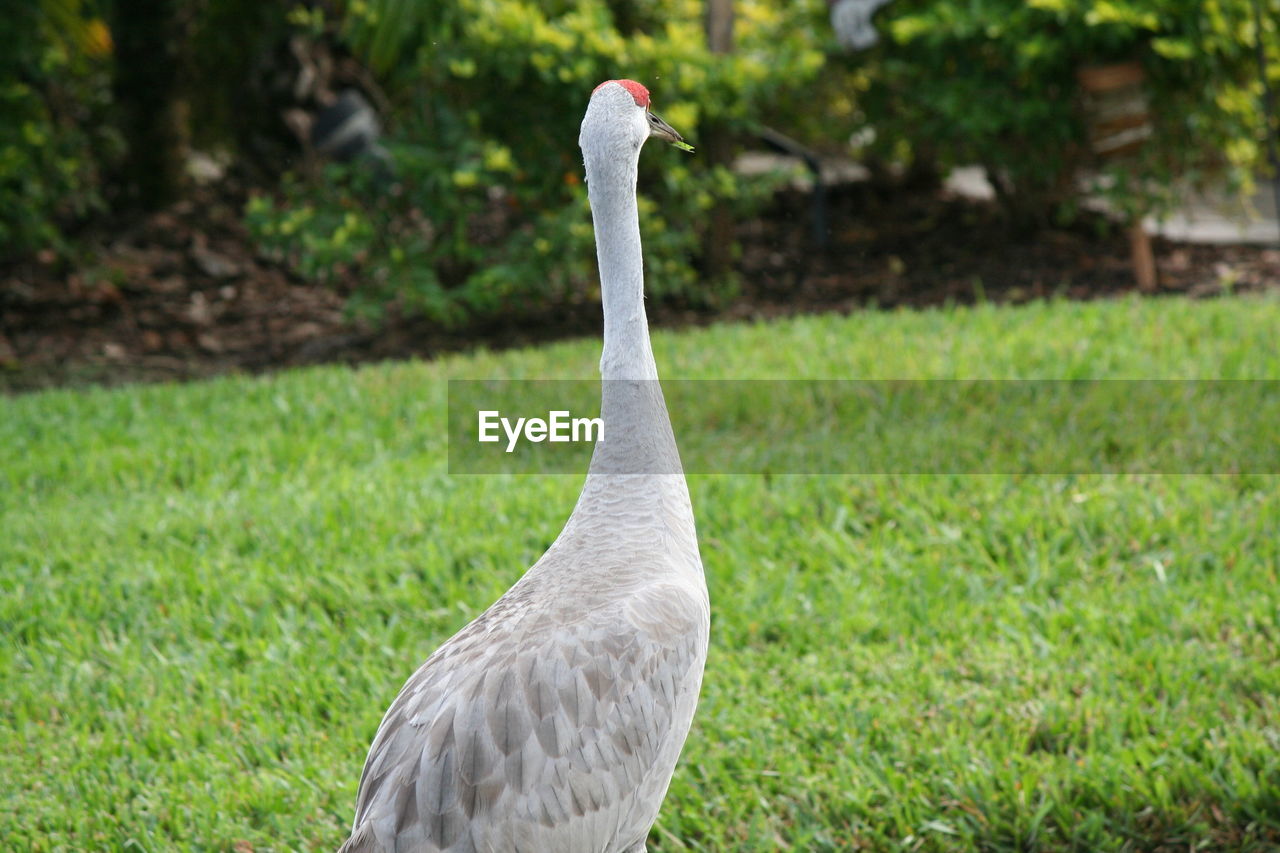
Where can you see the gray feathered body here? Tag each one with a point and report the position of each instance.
(553, 721)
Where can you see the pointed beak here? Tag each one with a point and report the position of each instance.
(661, 130)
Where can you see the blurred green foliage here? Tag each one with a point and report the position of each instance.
(994, 82)
(487, 213)
(54, 91)
(484, 212)
(65, 118)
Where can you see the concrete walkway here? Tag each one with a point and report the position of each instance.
(1221, 219)
(1205, 218)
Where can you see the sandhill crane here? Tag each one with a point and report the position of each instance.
(553, 721)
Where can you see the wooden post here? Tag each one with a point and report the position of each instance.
(717, 248)
(1144, 262)
(1119, 124)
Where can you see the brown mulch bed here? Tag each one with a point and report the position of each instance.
(923, 249)
(184, 294)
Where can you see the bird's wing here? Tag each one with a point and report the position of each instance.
(562, 738)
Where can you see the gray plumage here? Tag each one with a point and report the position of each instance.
(552, 723)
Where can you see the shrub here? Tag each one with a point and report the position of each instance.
(487, 214)
(993, 82)
(54, 89)
(64, 114)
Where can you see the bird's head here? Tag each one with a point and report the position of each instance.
(619, 113)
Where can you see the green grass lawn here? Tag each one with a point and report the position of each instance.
(210, 593)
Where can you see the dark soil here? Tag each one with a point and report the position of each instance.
(184, 294)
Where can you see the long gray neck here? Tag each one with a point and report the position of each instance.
(637, 429)
(611, 187)
(634, 511)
